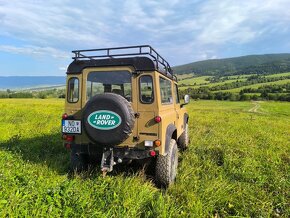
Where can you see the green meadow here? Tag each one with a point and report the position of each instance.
(197, 81)
(237, 165)
(255, 86)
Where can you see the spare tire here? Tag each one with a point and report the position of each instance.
(108, 119)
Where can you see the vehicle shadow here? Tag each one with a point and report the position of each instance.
(127, 169)
(49, 150)
(45, 149)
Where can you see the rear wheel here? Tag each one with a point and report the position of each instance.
(166, 166)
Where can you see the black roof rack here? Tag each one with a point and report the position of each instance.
(140, 50)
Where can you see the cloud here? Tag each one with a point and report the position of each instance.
(241, 22)
(62, 68)
(214, 26)
(182, 30)
(53, 22)
(35, 51)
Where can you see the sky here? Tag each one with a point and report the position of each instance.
(37, 37)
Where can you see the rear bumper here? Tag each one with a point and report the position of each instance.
(118, 152)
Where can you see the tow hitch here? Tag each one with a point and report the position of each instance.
(107, 162)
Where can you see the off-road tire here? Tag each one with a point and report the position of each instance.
(78, 162)
(166, 166)
(117, 104)
(183, 140)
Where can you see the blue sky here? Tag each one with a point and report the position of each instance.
(36, 37)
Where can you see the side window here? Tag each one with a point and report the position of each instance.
(165, 91)
(146, 89)
(176, 94)
(73, 90)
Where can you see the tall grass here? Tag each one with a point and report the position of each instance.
(237, 165)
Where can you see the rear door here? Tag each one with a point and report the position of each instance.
(118, 80)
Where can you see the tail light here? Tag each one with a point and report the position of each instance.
(152, 153)
(64, 116)
(67, 145)
(70, 138)
(157, 143)
(157, 119)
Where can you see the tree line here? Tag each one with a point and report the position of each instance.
(268, 92)
(255, 79)
(53, 93)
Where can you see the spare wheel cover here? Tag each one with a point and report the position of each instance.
(108, 119)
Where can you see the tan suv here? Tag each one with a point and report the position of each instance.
(123, 104)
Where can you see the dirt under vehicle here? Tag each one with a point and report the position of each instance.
(123, 104)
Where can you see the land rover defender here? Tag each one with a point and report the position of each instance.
(123, 104)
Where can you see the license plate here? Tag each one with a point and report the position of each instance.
(71, 126)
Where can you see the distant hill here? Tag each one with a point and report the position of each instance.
(251, 64)
(22, 82)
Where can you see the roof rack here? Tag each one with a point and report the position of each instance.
(142, 50)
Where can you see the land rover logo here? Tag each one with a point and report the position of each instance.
(104, 120)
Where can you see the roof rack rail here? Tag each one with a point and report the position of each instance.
(142, 50)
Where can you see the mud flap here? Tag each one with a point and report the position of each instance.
(107, 162)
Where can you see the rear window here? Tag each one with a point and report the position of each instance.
(118, 82)
(73, 90)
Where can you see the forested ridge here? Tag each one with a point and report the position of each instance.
(250, 64)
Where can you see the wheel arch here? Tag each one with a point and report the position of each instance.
(185, 118)
(185, 121)
(171, 133)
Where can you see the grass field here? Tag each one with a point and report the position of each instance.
(255, 86)
(184, 76)
(242, 76)
(237, 164)
(222, 83)
(197, 82)
(278, 75)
